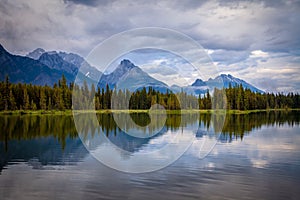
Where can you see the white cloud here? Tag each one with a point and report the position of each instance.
(270, 71)
(258, 54)
(209, 51)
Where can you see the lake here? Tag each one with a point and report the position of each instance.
(233, 156)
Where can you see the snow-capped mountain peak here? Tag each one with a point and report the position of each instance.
(35, 54)
(129, 76)
(225, 80)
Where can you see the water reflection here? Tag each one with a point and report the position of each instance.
(257, 158)
(54, 139)
(40, 140)
(236, 126)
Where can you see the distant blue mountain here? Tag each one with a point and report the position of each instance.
(131, 77)
(221, 81)
(22, 69)
(85, 68)
(35, 54)
(226, 80)
(199, 83)
(55, 61)
(66, 62)
(41, 67)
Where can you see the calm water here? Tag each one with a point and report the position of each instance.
(256, 156)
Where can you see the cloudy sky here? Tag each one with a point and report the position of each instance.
(258, 41)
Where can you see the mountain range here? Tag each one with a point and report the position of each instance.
(42, 67)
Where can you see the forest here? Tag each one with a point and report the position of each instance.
(22, 96)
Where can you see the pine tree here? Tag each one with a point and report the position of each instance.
(33, 105)
(107, 98)
(207, 103)
(13, 105)
(26, 103)
(49, 106)
(43, 103)
(6, 93)
(58, 99)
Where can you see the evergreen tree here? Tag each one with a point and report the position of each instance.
(26, 104)
(6, 93)
(12, 102)
(43, 103)
(33, 105)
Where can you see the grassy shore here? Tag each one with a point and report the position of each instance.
(70, 112)
(36, 112)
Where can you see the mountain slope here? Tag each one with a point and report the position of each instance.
(226, 80)
(81, 63)
(199, 83)
(35, 54)
(54, 61)
(70, 64)
(223, 80)
(67, 62)
(131, 77)
(22, 69)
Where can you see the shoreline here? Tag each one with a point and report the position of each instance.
(70, 112)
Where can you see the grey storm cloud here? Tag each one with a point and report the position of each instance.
(228, 57)
(89, 2)
(231, 25)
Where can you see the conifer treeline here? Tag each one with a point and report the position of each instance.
(59, 97)
(239, 98)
